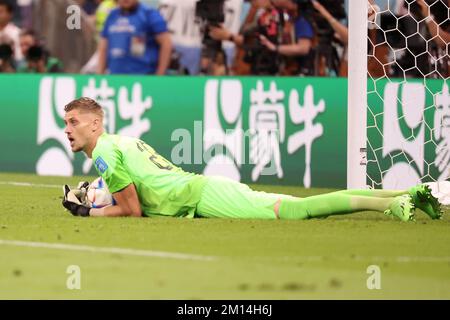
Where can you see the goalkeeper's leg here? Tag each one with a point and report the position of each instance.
(225, 198)
(336, 203)
(229, 199)
(421, 195)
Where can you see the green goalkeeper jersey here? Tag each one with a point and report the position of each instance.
(163, 188)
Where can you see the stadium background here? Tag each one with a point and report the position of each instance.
(322, 259)
(319, 135)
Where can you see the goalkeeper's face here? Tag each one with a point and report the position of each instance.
(81, 128)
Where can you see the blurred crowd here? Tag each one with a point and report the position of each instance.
(407, 38)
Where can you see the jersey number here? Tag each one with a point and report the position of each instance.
(157, 160)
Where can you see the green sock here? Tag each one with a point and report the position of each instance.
(335, 203)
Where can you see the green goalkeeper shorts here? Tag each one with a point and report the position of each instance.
(225, 198)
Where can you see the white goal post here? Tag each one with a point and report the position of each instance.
(357, 95)
(398, 94)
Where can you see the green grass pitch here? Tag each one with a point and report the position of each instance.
(248, 259)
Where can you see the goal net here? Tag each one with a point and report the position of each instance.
(399, 100)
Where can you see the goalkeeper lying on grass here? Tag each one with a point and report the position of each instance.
(144, 184)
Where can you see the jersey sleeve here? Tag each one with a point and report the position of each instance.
(108, 162)
(156, 23)
(104, 33)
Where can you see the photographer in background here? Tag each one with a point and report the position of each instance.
(341, 31)
(413, 50)
(246, 34)
(27, 40)
(303, 35)
(272, 32)
(38, 60)
(438, 32)
(340, 34)
(332, 35)
(210, 14)
(330, 38)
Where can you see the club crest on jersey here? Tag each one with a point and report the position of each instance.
(101, 165)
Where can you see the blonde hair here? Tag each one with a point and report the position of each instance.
(85, 104)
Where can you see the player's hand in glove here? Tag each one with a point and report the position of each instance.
(73, 203)
(81, 192)
(83, 184)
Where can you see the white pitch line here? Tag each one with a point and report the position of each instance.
(124, 251)
(184, 256)
(27, 184)
(377, 259)
(400, 259)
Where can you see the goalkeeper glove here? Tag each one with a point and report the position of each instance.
(83, 185)
(81, 192)
(72, 203)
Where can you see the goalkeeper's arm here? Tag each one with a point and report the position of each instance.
(127, 204)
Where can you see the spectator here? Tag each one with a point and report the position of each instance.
(102, 12)
(440, 36)
(257, 7)
(135, 40)
(27, 39)
(6, 58)
(341, 31)
(304, 33)
(219, 66)
(38, 60)
(267, 12)
(89, 8)
(413, 48)
(240, 65)
(7, 28)
(31, 62)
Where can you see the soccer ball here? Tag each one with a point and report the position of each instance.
(98, 195)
